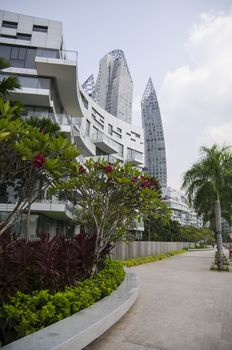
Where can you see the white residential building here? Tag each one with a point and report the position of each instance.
(181, 210)
(49, 87)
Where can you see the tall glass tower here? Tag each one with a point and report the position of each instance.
(154, 150)
(114, 85)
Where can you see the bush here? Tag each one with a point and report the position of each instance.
(151, 258)
(46, 263)
(25, 314)
(226, 263)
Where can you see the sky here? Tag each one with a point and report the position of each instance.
(185, 46)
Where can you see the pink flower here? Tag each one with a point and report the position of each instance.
(108, 169)
(134, 179)
(38, 161)
(82, 170)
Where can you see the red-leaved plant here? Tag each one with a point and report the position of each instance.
(45, 263)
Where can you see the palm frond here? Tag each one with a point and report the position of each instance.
(8, 85)
(3, 63)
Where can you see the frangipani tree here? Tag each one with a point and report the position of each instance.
(112, 197)
(31, 158)
(208, 184)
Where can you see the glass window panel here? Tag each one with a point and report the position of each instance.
(14, 52)
(22, 53)
(38, 28)
(30, 58)
(17, 63)
(5, 51)
(9, 24)
(43, 83)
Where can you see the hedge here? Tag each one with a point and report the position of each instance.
(27, 313)
(151, 258)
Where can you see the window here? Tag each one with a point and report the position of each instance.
(38, 28)
(23, 36)
(18, 56)
(8, 36)
(110, 129)
(117, 134)
(84, 100)
(120, 149)
(9, 24)
(87, 127)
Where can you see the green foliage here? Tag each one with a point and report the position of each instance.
(208, 184)
(25, 314)
(151, 258)
(156, 229)
(171, 231)
(35, 154)
(9, 83)
(208, 180)
(112, 197)
(197, 234)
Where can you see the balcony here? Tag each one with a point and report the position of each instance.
(109, 158)
(104, 143)
(54, 208)
(135, 158)
(32, 88)
(61, 65)
(83, 142)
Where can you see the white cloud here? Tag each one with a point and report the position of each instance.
(196, 99)
(220, 134)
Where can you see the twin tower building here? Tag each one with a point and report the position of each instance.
(113, 91)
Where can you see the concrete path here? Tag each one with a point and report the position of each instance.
(182, 305)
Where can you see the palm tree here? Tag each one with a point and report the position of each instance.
(45, 125)
(208, 185)
(7, 84)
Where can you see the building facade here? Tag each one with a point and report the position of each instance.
(114, 86)
(154, 151)
(50, 88)
(181, 210)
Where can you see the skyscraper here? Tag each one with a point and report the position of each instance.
(155, 155)
(114, 86)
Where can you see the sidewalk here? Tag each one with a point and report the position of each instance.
(182, 305)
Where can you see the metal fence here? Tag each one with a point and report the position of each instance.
(133, 249)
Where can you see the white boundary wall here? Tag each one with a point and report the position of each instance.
(134, 249)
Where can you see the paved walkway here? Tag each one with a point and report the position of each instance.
(182, 305)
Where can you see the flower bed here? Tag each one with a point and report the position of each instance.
(27, 313)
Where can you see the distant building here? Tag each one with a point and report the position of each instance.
(154, 150)
(181, 211)
(114, 86)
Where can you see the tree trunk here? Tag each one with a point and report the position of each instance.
(28, 221)
(217, 211)
(7, 224)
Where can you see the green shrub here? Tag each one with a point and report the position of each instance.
(25, 314)
(214, 267)
(151, 258)
(226, 263)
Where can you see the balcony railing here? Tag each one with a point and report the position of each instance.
(109, 158)
(57, 54)
(100, 138)
(30, 82)
(135, 158)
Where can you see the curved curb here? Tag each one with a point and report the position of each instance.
(79, 330)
